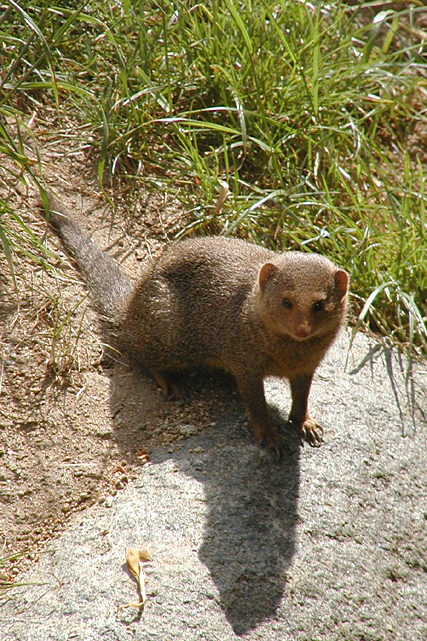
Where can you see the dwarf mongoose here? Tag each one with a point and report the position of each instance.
(222, 303)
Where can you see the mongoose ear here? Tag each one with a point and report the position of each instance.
(266, 272)
(341, 283)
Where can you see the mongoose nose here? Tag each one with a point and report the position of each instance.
(301, 332)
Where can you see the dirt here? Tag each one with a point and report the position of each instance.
(75, 425)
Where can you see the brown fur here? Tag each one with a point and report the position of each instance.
(222, 303)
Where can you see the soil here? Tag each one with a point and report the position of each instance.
(76, 424)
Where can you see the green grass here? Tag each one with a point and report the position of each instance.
(304, 109)
(7, 583)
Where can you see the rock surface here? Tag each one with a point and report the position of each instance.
(327, 543)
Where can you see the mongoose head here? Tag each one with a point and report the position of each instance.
(302, 295)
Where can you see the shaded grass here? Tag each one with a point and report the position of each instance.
(304, 109)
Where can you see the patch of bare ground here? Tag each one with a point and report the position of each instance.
(75, 425)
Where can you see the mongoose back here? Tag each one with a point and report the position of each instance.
(222, 303)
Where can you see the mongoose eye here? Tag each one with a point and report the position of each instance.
(287, 303)
(319, 306)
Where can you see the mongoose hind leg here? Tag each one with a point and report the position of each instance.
(172, 385)
(309, 430)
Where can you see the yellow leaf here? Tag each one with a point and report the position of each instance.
(132, 559)
(144, 555)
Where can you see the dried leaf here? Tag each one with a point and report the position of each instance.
(132, 559)
(222, 197)
(144, 555)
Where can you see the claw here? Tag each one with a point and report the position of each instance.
(178, 392)
(267, 436)
(172, 386)
(309, 432)
(275, 444)
(312, 433)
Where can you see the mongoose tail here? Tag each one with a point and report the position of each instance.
(109, 284)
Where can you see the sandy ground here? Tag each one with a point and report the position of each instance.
(63, 442)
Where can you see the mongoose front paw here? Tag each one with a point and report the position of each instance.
(274, 442)
(311, 433)
(269, 437)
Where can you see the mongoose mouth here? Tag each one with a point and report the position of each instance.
(301, 334)
(301, 338)
(297, 335)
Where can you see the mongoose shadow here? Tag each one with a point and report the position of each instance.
(251, 493)
(249, 536)
(251, 501)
